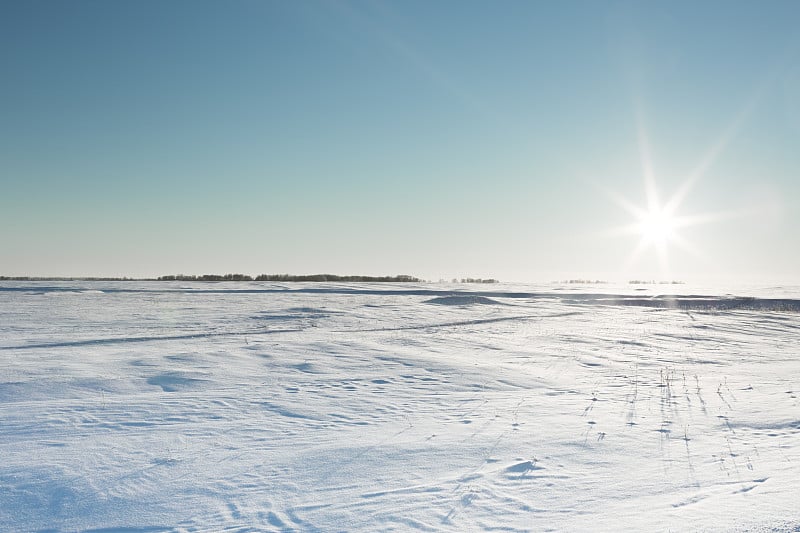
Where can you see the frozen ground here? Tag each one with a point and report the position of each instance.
(145, 407)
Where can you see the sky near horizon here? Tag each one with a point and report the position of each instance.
(526, 141)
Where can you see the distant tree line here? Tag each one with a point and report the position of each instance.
(290, 277)
(334, 277)
(653, 282)
(206, 277)
(262, 277)
(56, 278)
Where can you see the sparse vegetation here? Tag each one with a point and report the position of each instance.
(653, 282)
(66, 278)
(333, 277)
(207, 277)
(291, 278)
(237, 277)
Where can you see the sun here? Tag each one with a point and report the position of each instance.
(658, 223)
(656, 226)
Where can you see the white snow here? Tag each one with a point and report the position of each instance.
(355, 407)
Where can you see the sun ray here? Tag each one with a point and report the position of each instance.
(663, 260)
(632, 209)
(687, 246)
(624, 229)
(710, 157)
(635, 254)
(648, 174)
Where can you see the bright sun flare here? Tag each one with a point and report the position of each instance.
(657, 223)
(657, 226)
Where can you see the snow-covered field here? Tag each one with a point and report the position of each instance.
(319, 407)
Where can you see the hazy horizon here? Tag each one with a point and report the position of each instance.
(527, 142)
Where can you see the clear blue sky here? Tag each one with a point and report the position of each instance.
(438, 139)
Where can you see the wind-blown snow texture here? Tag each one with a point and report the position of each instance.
(321, 407)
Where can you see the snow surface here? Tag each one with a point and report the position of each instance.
(146, 407)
